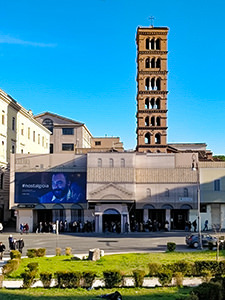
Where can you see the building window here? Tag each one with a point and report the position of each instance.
(67, 147)
(51, 148)
(13, 149)
(68, 131)
(98, 143)
(185, 192)
(147, 138)
(33, 136)
(22, 131)
(3, 119)
(13, 123)
(111, 163)
(148, 192)
(122, 163)
(39, 138)
(217, 185)
(157, 138)
(21, 151)
(28, 133)
(99, 162)
(48, 123)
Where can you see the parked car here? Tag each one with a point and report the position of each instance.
(192, 240)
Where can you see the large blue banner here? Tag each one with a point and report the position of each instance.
(49, 187)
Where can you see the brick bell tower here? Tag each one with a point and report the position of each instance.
(152, 89)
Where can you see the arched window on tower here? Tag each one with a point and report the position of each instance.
(111, 163)
(158, 103)
(152, 103)
(152, 42)
(152, 121)
(147, 121)
(157, 44)
(99, 162)
(158, 63)
(153, 62)
(147, 103)
(157, 138)
(147, 42)
(147, 138)
(147, 84)
(158, 121)
(147, 63)
(122, 163)
(152, 84)
(158, 84)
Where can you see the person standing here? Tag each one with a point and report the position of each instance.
(11, 242)
(2, 249)
(20, 245)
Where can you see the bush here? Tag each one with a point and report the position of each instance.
(112, 278)
(31, 253)
(202, 266)
(29, 275)
(184, 267)
(68, 251)
(88, 278)
(139, 276)
(171, 247)
(68, 279)
(15, 254)
(58, 251)
(32, 267)
(206, 276)
(41, 252)
(178, 277)
(165, 277)
(154, 269)
(211, 290)
(28, 279)
(46, 279)
(12, 265)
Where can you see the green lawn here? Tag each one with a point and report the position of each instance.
(171, 293)
(124, 262)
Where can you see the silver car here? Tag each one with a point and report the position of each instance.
(192, 240)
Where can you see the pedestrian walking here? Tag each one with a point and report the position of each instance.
(206, 225)
(194, 225)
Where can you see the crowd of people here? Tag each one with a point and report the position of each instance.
(64, 226)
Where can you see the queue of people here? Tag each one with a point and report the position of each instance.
(64, 226)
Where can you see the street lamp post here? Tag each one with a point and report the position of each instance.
(196, 169)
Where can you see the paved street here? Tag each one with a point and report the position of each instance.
(110, 243)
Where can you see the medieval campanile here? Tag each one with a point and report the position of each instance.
(152, 89)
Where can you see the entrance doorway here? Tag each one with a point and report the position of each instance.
(111, 221)
(158, 215)
(179, 217)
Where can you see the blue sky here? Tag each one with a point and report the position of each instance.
(78, 59)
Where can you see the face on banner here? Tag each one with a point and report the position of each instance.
(49, 187)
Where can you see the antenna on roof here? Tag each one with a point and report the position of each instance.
(151, 20)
